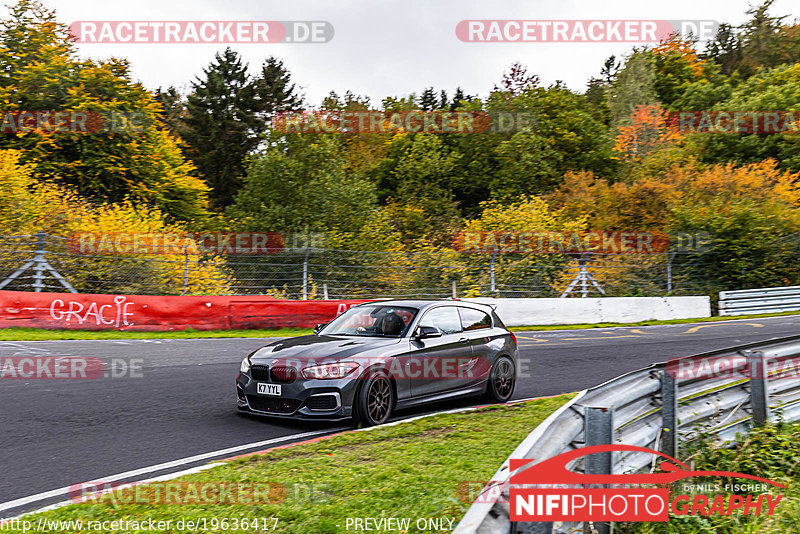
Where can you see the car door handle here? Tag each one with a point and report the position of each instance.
(463, 340)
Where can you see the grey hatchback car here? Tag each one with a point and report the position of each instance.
(379, 357)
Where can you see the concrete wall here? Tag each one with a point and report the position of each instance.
(523, 312)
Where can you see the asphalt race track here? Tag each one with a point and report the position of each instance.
(181, 400)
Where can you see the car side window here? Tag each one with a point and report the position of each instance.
(445, 319)
(474, 319)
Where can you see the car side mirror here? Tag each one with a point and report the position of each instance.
(425, 332)
(319, 327)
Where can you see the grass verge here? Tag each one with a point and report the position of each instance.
(419, 470)
(38, 334)
(771, 452)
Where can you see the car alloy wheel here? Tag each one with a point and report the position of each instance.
(375, 401)
(501, 380)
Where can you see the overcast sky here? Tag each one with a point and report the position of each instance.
(388, 47)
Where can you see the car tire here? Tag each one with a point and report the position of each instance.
(374, 402)
(502, 380)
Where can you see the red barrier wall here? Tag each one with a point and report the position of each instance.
(153, 313)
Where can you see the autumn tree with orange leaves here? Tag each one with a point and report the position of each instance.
(648, 130)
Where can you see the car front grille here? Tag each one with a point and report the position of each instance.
(284, 375)
(260, 372)
(271, 405)
(277, 375)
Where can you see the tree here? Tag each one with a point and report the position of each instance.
(725, 49)
(428, 100)
(221, 119)
(227, 115)
(459, 97)
(40, 71)
(172, 108)
(648, 130)
(763, 41)
(516, 80)
(415, 179)
(597, 88)
(273, 91)
(773, 89)
(633, 86)
(300, 184)
(676, 65)
(564, 132)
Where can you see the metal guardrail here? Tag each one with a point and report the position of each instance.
(764, 300)
(651, 408)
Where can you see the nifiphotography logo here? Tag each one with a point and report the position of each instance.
(615, 503)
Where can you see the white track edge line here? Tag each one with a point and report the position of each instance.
(159, 467)
(54, 493)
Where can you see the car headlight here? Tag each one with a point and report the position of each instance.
(330, 371)
(245, 365)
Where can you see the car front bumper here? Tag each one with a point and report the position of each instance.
(301, 399)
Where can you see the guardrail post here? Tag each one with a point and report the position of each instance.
(599, 430)
(669, 414)
(759, 396)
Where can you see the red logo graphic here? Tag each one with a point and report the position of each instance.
(620, 504)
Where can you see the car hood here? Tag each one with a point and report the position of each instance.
(303, 349)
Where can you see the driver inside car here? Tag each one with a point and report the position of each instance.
(388, 325)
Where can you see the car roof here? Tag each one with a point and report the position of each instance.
(427, 303)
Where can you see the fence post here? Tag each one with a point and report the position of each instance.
(670, 257)
(669, 414)
(185, 269)
(454, 289)
(759, 396)
(599, 430)
(491, 272)
(305, 274)
(40, 262)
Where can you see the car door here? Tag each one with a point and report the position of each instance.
(433, 363)
(477, 328)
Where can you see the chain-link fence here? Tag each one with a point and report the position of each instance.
(43, 262)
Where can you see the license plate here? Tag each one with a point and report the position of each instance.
(269, 389)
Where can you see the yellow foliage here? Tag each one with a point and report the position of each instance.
(527, 214)
(27, 206)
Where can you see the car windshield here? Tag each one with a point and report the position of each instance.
(372, 320)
